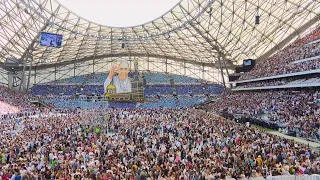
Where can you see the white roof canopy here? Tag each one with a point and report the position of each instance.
(194, 30)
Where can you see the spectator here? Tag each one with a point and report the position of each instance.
(156, 144)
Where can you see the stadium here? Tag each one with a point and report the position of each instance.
(208, 89)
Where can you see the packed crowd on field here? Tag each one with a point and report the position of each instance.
(281, 62)
(12, 102)
(298, 110)
(149, 144)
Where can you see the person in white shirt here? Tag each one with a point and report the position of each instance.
(122, 81)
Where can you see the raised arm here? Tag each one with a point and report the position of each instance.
(109, 78)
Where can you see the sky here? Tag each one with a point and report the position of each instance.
(119, 13)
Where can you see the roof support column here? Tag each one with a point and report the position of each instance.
(221, 70)
(55, 73)
(30, 67)
(213, 46)
(227, 70)
(166, 65)
(35, 76)
(203, 71)
(217, 48)
(93, 64)
(22, 81)
(148, 63)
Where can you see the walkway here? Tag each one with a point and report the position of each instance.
(315, 146)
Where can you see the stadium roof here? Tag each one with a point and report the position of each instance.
(196, 31)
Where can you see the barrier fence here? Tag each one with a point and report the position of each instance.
(289, 177)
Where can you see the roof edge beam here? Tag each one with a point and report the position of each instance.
(64, 63)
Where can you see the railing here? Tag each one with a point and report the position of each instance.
(289, 177)
(314, 71)
(307, 84)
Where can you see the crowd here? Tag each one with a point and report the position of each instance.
(12, 102)
(154, 101)
(281, 62)
(298, 110)
(148, 144)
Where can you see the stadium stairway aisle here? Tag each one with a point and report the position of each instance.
(314, 146)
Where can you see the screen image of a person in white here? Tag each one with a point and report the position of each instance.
(45, 40)
(121, 81)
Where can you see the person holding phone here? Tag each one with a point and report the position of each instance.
(122, 81)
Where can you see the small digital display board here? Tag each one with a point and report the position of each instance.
(247, 62)
(50, 40)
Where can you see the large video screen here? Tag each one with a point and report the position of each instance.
(122, 84)
(50, 40)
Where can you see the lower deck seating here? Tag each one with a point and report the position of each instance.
(151, 102)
